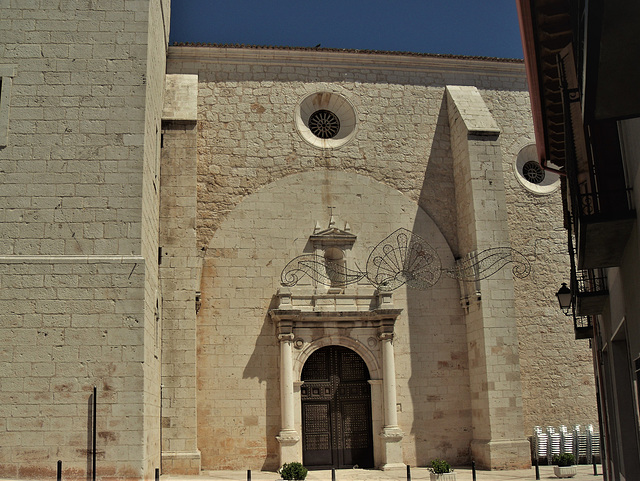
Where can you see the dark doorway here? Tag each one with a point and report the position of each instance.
(336, 410)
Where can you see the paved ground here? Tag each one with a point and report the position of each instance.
(585, 473)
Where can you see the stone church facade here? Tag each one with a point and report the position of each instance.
(220, 240)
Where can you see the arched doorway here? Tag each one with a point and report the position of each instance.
(336, 410)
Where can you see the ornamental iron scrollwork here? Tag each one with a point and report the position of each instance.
(484, 264)
(404, 258)
(328, 273)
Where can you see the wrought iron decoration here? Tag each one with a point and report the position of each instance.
(319, 270)
(489, 261)
(404, 258)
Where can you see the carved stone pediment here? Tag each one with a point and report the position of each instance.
(332, 237)
(302, 309)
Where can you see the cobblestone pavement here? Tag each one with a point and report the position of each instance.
(585, 473)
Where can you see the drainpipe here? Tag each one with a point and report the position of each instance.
(543, 164)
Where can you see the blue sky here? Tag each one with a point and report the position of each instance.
(460, 27)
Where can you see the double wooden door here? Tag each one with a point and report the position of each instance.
(336, 410)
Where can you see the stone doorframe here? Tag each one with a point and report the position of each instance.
(361, 322)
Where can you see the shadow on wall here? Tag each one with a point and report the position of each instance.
(438, 196)
(439, 382)
(261, 366)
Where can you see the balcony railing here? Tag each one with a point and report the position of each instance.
(603, 226)
(583, 327)
(591, 281)
(612, 203)
(591, 292)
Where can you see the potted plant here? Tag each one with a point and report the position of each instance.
(564, 465)
(291, 471)
(441, 471)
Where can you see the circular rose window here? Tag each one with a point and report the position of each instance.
(326, 120)
(531, 175)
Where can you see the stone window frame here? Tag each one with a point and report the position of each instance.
(551, 181)
(7, 72)
(336, 103)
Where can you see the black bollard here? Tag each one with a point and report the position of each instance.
(95, 430)
(537, 469)
(333, 474)
(408, 473)
(595, 466)
(473, 470)
(248, 475)
(157, 474)
(59, 472)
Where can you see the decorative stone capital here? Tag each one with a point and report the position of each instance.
(392, 434)
(288, 437)
(386, 329)
(386, 336)
(284, 330)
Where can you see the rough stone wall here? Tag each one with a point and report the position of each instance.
(247, 128)
(247, 140)
(557, 373)
(85, 99)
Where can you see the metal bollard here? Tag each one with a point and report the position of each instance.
(95, 430)
(333, 474)
(157, 474)
(59, 471)
(595, 466)
(408, 473)
(537, 469)
(248, 475)
(473, 470)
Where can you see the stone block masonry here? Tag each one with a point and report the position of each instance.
(180, 271)
(79, 237)
(84, 329)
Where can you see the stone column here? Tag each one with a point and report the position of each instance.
(288, 437)
(389, 381)
(391, 433)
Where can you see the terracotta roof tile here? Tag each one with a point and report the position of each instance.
(345, 50)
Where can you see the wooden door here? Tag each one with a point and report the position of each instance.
(336, 410)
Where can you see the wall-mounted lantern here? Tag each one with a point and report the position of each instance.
(564, 299)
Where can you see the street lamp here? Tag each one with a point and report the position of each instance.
(564, 299)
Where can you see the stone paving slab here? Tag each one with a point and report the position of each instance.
(585, 473)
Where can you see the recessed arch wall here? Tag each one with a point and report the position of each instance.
(238, 350)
